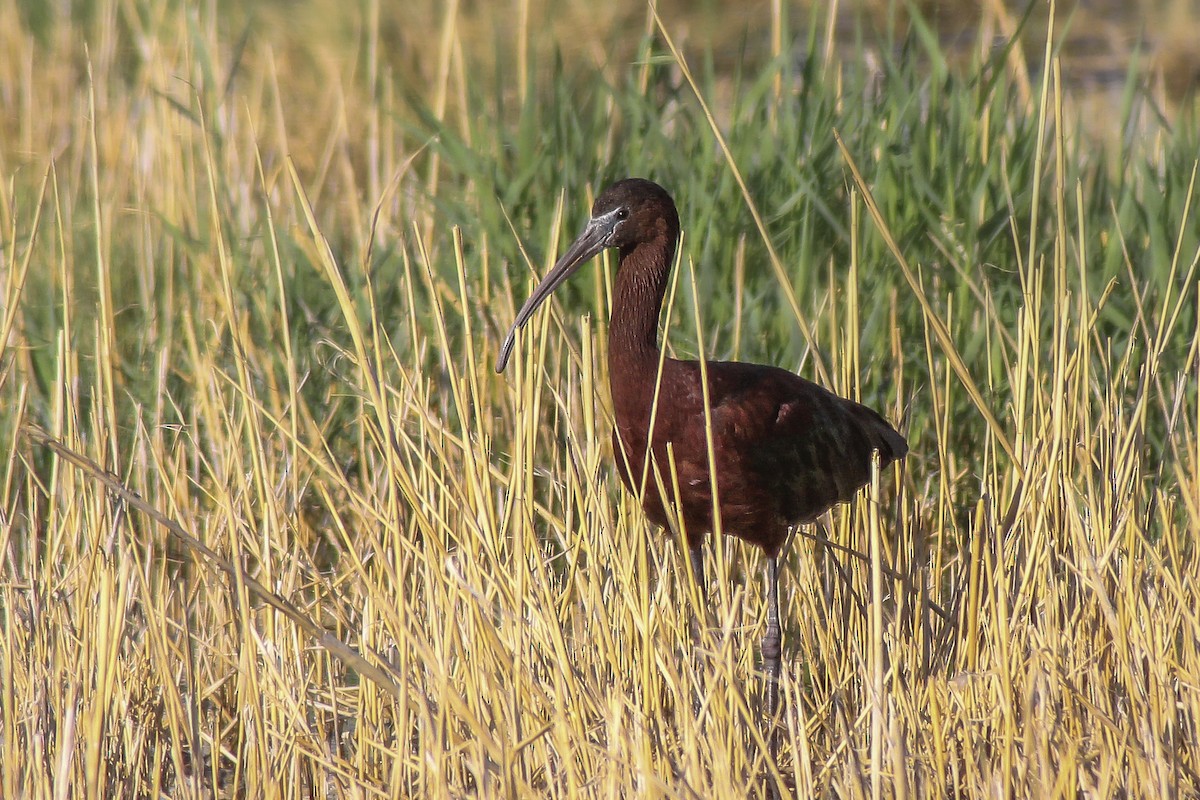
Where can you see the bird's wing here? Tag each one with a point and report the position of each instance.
(810, 447)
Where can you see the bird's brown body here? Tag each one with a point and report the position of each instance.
(783, 449)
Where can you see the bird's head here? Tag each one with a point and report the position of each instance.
(631, 212)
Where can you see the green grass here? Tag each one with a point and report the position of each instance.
(258, 284)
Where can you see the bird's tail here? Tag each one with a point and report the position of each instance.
(886, 439)
(895, 445)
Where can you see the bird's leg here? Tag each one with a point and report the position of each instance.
(772, 643)
(696, 552)
(699, 615)
(772, 650)
(699, 600)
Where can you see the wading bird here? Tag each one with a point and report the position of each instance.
(784, 449)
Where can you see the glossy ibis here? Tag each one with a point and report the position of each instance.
(784, 449)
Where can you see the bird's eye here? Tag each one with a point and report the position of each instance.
(622, 213)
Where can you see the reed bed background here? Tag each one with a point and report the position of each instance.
(270, 526)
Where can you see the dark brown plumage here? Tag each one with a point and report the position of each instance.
(785, 449)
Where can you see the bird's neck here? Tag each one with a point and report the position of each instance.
(633, 350)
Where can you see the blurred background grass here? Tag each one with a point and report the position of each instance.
(309, 392)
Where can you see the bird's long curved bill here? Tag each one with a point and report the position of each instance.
(589, 243)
